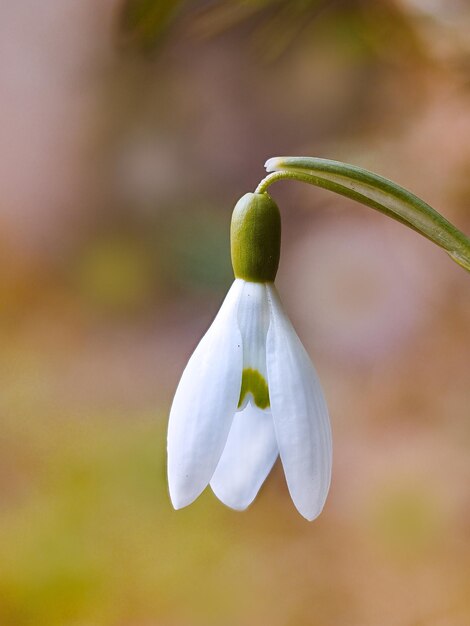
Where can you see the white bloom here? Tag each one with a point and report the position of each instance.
(249, 393)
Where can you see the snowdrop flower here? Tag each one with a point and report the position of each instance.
(249, 392)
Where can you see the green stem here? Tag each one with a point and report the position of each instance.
(376, 192)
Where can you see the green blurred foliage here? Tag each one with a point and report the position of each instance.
(197, 257)
(93, 537)
(275, 24)
(142, 23)
(406, 522)
(115, 274)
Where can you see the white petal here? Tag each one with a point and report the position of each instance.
(253, 320)
(204, 404)
(300, 414)
(247, 458)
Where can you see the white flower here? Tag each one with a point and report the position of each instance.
(249, 393)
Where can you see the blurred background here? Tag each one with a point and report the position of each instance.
(129, 130)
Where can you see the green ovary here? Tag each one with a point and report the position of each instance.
(255, 236)
(253, 382)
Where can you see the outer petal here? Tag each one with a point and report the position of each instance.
(247, 458)
(204, 404)
(299, 413)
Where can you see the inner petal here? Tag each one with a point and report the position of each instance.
(253, 320)
(247, 459)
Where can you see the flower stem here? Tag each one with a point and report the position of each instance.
(376, 192)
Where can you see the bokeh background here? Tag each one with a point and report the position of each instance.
(128, 131)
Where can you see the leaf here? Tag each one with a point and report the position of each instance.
(376, 192)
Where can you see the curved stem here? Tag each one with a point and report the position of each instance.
(376, 192)
(282, 175)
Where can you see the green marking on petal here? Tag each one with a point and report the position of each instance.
(253, 382)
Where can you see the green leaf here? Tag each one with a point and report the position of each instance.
(376, 192)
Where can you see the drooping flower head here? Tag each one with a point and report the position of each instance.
(249, 392)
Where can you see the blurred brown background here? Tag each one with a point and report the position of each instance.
(128, 131)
